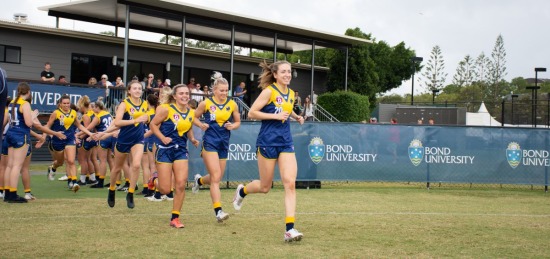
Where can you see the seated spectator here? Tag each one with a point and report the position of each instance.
(92, 81)
(160, 84)
(206, 90)
(119, 82)
(150, 84)
(167, 83)
(62, 80)
(197, 93)
(47, 75)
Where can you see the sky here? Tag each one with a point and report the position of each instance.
(458, 27)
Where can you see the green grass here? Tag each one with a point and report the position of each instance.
(362, 220)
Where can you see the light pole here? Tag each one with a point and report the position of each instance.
(513, 96)
(414, 60)
(537, 70)
(434, 92)
(533, 108)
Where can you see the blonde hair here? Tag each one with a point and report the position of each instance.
(268, 70)
(164, 95)
(84, 101)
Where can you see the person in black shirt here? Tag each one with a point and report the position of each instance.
(47, 75)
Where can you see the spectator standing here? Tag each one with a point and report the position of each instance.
(150, 85)
(308, 110)
(191, 84)
(240, 92)
(297, 103)
(119, 82)
(62, 80)
(431, 121)
(92, 81)
(167, 83)
(197, 93)
(206, 90)
(47, 75)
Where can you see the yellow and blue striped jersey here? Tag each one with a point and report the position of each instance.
(216, 115)
(276, 132)
(17, 122)
(132, 133)
(176, 124)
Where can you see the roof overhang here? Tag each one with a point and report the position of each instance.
(166, 17)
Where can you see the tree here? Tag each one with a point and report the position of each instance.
(497, 69)
(481, 65)
(434, 72)
(465, 72)
(372, 68)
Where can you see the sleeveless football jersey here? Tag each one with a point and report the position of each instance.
(176, 124)
(65, 122)
(216, 115)
(275, 132)
(17, 122)
(105, 120)
(132, 133)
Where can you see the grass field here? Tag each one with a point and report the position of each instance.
(360, 220)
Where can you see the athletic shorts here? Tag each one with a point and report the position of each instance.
(60, 144)
(274, 152)
(220, 149)
(5, 147)
(170, 154)
(107, 143)
(125, 148)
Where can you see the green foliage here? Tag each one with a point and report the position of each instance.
(434, 74)
(346, 106)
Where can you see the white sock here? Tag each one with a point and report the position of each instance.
(83, 178)
(92, 177)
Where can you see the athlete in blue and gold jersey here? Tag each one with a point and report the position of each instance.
(101, 122)
(172, 125)
(83, 145)
(131, 115)
(218, 112)
(274, 144)
(148, 161)
(65, 119)
(22, 118)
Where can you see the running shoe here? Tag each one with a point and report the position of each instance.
(196, 185)
(51, 173)
(63, 178)
(293, 235)
(221, 216)
(169, 196)
(75, 187)
(123, 188)
(175, 223)
(17, 199)
(237, 199)
(29, 196)
(111, 198)
(130, 200)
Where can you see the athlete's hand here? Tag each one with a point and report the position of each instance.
(141, 119)
(204, 126)
(166, 140)
(77, 141)
(283, 116)
(40, 142)
(229, 126)
(300, 120)
(195, 142)
(34, 116)
(97, 136)
(60, 135)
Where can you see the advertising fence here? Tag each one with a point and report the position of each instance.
(383, 152)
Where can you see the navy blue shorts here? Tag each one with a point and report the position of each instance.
(125, 148)
(274, 152)
(170, 154)
(107, 143)
(60, 144)
(221, 150)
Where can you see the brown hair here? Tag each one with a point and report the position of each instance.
(170, 97)
(100, 105)
(23, 88)
(153, 100)
(268, 70)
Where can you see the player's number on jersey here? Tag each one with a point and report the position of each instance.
(278, 110)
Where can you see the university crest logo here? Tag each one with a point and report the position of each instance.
(416, 152)
(513, 154)
(316, 150)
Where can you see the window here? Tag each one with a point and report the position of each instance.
(10, 54)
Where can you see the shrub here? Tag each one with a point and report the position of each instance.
(345, 106)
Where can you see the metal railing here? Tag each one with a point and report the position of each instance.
(320, 114)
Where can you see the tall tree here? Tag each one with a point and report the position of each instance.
(481, 65)
(465, 72)
(497, 68)
(434, 72)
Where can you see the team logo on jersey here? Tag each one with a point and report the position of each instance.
(132, 110)
(227, 108)
(513, 154)
(176, 117)
(316, 150)
(61, 117)
(279, 100)
(416, 152)
(212, 108)
(189, 119)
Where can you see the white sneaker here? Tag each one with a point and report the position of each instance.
(63, 178)
(51, 173)
(221, 216)
(76, 187)
(71, 184)
(293, 235)
(166, 197)
(29, 197)
(237, 199)
(152, 198)
(196, 186)
(1, 195)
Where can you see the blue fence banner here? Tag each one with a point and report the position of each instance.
(383, 152)
(45, 96)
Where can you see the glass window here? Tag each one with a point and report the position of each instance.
(13, 55)
(2, 51)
